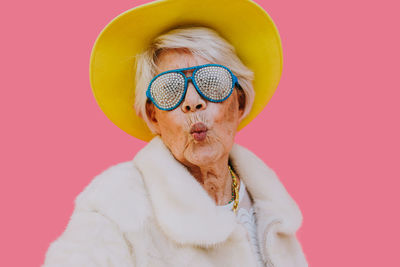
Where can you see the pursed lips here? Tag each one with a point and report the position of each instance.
(199, 131)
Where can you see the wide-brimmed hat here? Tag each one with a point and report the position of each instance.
(242, 23)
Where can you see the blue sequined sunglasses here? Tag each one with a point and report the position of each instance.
(214, 82)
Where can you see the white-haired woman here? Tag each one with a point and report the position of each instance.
(191, 196)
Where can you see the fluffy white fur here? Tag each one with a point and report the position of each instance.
(152, 212)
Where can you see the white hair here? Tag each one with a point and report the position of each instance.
(199, 41)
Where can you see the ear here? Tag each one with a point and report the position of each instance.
(151, 115)
(241, 101)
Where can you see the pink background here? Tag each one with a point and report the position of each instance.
(331, 131)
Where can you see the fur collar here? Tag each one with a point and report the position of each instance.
(186, 213)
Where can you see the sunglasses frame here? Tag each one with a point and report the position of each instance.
(195, 68)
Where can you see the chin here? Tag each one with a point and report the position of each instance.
(205, 152)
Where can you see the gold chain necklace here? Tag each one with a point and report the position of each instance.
(235, 190)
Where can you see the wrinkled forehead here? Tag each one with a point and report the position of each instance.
(172, 59)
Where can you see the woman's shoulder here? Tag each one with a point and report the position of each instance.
(113, 203)
(119, 194)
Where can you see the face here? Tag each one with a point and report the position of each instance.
(197, 132)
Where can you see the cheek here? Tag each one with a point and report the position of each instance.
(172, 131)
(227, 119)
(169, 123)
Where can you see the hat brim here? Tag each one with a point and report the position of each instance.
(242, 23)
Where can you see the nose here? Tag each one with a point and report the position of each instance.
(193, 101)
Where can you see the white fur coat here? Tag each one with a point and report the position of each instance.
(151, 212)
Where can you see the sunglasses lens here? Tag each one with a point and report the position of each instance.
(214, 82)
(167, 90)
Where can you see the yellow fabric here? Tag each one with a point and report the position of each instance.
(241, 22)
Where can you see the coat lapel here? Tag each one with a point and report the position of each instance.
(276, 211)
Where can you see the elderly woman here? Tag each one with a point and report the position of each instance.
(191, 196)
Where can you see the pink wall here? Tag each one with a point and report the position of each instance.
(331, 131)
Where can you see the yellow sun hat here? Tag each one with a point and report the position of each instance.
(243, 23)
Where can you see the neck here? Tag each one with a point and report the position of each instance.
(216, 179)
